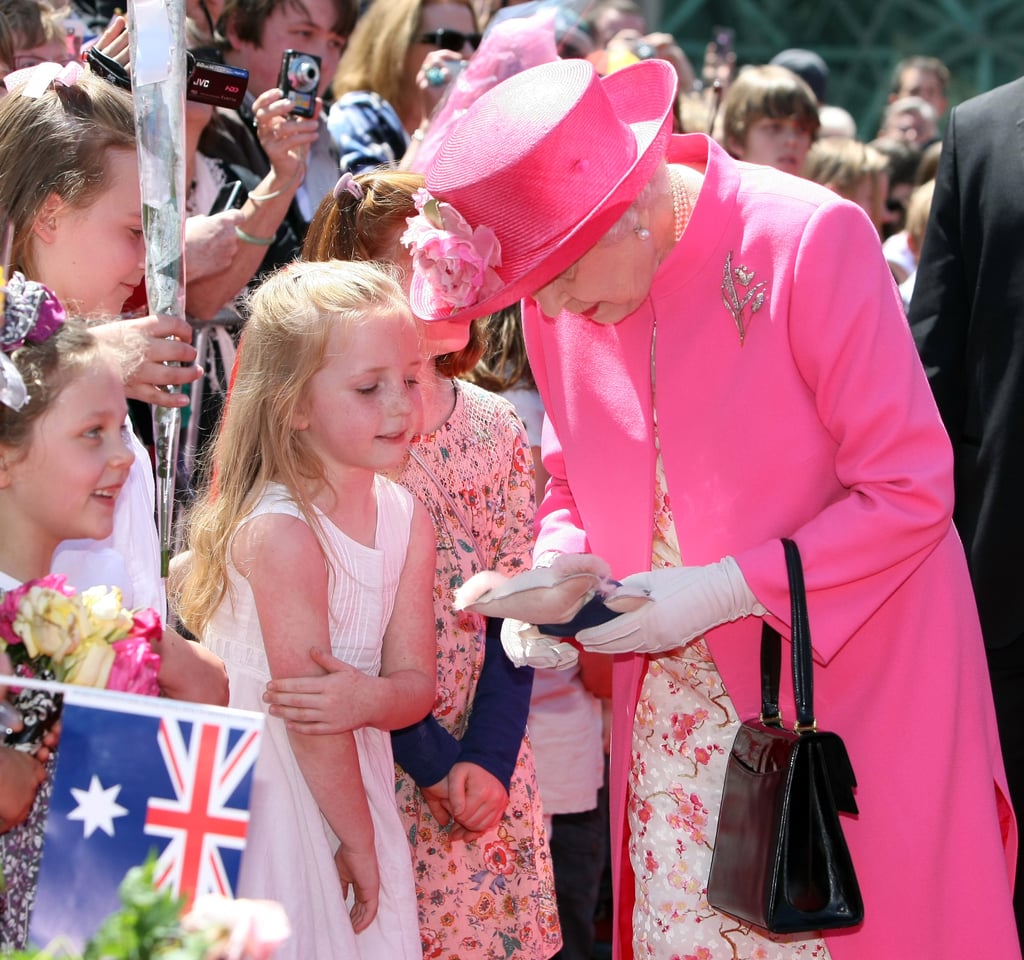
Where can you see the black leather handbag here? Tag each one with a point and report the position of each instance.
(781, 861)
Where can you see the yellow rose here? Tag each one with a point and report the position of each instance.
(90, 665)
(47, 623)
(106, 618)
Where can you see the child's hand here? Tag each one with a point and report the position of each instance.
(20, 776)
(438, 801)
(436, 797)
(477, 798)
(49, 743)
(319, 705)
(145, 381)
(358, 869)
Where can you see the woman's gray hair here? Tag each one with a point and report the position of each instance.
(658, 184)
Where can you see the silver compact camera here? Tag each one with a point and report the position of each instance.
(300, 81)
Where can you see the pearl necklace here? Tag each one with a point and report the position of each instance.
(682, 209)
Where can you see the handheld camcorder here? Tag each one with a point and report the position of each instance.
(300, 80)
(212, 81)
(207, 80)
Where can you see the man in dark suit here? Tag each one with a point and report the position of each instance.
(967, 315)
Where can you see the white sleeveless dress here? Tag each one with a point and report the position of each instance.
(289, 854)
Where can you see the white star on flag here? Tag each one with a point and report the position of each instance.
(97, 807)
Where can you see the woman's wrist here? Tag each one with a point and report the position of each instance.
(254, 240)
(269, 189)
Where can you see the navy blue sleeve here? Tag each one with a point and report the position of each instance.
(426, 751)
(494, 734)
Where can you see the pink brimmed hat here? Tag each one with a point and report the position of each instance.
(530, 178)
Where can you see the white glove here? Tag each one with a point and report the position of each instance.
(688, 601)
(526, 646)
(552, 594)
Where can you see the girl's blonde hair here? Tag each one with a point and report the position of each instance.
(842, 163)
(291, 316)
(57, 144)
(347, 227)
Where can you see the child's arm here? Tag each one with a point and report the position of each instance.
(346, 698)
(20, 776)
(188, 671)
(287, 572)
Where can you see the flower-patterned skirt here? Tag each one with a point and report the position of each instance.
(21, 851)
(684, 728)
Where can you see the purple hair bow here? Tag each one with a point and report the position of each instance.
(32, 313)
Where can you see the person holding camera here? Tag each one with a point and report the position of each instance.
(299, 46)
(402, 57)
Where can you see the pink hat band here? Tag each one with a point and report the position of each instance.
(530, 178)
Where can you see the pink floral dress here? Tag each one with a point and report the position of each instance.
(684, 727)
(493, 897)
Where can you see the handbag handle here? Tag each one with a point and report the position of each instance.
(771, 653)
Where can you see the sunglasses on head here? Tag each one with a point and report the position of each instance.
(453, 40)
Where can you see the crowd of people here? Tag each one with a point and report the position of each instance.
(528, 289)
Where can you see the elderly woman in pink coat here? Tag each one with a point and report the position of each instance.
(724, 362)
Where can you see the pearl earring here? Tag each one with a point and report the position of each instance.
(642, 232)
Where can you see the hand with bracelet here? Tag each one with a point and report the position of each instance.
(286, 142)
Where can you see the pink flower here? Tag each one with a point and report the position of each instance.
(240, 929)
(12, 600)
(135, 667)
(146, 625)
(455, 259)
(499, 858)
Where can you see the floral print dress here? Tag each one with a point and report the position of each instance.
(683, 730)
(493, 897)
(21, 848)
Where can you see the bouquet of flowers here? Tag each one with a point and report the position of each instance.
(50, 632)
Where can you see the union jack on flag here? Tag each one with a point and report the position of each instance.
(200, 821)
(135, 775)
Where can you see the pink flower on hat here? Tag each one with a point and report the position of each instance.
(456, 260)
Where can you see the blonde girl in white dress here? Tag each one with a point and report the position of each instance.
(300, 545)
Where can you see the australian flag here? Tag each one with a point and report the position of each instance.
(135, 775)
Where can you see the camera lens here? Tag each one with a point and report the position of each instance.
(303, 74)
